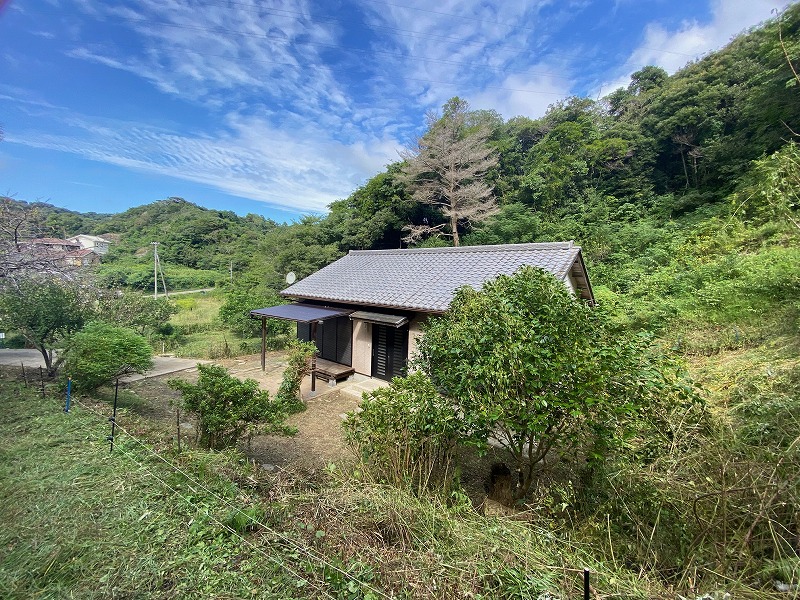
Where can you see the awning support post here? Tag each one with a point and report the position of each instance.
(263, 343)
(314, 357)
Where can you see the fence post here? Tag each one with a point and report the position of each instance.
(113, 418)
(586, 584)
(41, 378)
(24, 375)
(69, 391)
(178, 426)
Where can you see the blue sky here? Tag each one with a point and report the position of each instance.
(281, 107)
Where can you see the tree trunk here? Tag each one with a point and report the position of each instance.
(454, 228)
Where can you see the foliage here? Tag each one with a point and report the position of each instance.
(227, 407)
(532, 367)
(298, 366)
(100, 353)
(235, 313)
(406, 434)
(446, 169)
(45, 313)
(142, 313)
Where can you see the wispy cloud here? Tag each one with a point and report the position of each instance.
(301, 171)
(672, 49)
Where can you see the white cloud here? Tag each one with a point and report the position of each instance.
(297, 170)
(671, 50)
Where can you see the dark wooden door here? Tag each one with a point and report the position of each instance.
(389, 351)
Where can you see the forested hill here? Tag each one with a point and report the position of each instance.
(671, 185)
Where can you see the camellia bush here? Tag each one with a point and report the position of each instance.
(100, 353)
(530, 367)
(227, 407)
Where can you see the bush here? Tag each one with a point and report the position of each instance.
(405, 434)
(533, 368)
(299, 365)
(227, 407)
(235, 313)
(100, 353)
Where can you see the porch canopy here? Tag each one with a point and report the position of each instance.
(301, 313)
(380, 318)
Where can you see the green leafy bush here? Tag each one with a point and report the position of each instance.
(227, 407)
(298, 367)
(235, 313)
(100, 353)
(406, 434)
(531, 367)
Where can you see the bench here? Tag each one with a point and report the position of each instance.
(331, 371)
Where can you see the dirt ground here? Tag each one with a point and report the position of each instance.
(319, 438)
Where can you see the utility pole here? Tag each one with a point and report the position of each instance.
(155, 270)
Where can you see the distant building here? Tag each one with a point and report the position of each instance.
(53, 245)
(85, 257)
(92, 242)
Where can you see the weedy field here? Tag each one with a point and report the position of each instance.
(145, 521)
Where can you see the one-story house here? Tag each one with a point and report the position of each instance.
(365, 310)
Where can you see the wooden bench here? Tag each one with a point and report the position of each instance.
(331, 371)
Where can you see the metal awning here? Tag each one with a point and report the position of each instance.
(302, 313)
(380, 318)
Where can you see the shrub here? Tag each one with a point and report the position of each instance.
(100, 353)
(227, 407)
(235, 313)
(405, 434)
(531, 367)
(299, 365)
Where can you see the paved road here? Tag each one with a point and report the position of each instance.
(162, 365)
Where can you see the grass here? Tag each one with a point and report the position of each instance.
(201, 333)
(84, 523)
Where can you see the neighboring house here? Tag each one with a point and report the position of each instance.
(366, 309)
(52, 246)
(92, 242)
(85, 257)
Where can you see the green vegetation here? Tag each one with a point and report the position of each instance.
(525, 363)
(227, 407)
(683, 192)
(44, 313)
(406, 434)
(100, 353)
(297, 368)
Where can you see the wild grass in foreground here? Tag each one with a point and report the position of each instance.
(85, 523)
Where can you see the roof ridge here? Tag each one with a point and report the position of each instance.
(487, 248)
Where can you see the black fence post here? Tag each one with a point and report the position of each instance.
(24, 375)
(113, 418)
(41, 379)
(586, 584)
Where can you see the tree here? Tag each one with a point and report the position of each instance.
(140, 312)
(235, 312)
(19, 258)
(100, 353)
(45, 313)
(532, 367)
(227, 407)
(446, 169)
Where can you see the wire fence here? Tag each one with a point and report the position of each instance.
(49, 388)
(57, 392)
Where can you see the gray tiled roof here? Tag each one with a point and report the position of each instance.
(425, 279)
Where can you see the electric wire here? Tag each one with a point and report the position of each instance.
(309, 553)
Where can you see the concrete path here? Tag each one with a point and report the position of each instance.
(162, 365)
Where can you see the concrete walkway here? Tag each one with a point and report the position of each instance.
(162, 365)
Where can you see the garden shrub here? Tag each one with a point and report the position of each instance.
(299, 365)
(227, 407)
(100, 353)
(405, 434)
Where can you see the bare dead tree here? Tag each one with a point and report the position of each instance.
(20, 256)
(446, 168)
